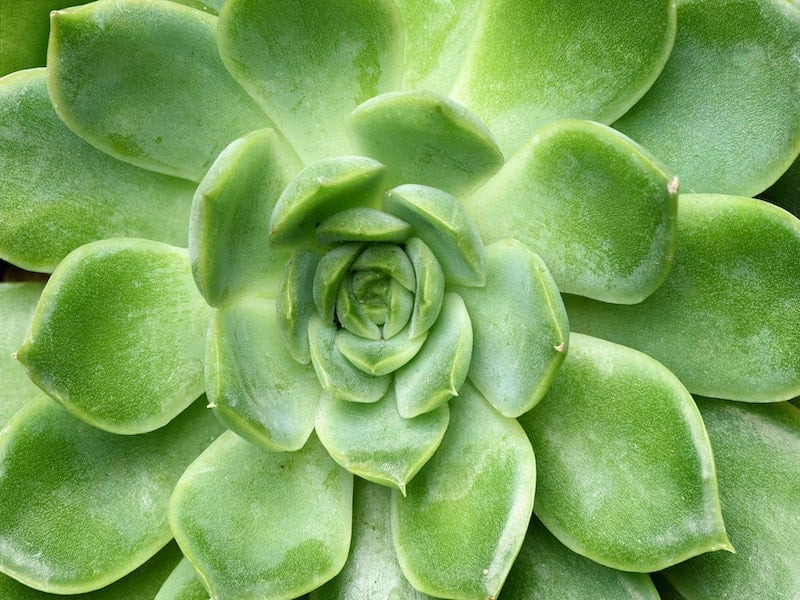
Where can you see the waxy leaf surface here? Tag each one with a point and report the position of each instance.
(189, 107)
(65, 486)
(727, 319)
(757, 452)
(58, 192)
(565, 195)
(725, 112)
(310, 64)
(117, 337)
(626, 476)
(473, 500)
(534, 61)
(258, 524)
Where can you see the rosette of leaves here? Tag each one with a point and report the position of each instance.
(305, 314)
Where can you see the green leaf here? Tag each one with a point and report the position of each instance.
(58, 192)
(532, 62)
(388, 259)
(328, 277)
(295, 303)
(310, 64)
(727, 319)
(258, 524)
(351, 315)
(399, 307)
(371, 570)
(626, 476)
(321, 190)
(379, 357)
(374, 442)
(440, 368)
(545, 568)
(17, 303)
(429, 291)
(142, 81)
(336, 374)
(361, 224)
(117, 336)
(82, 507)
(441, 222)
(725, 111)
(757, 452)
(183, 584)
(595, 206)
(254, 385)
(520, 329)
(24, 29)
(425, 138)
(464, 519)
(231, 214)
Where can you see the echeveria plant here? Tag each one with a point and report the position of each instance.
(399, 299)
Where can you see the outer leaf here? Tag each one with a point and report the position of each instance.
(725, 112)
(520, 329)
(141, 584)
(58, 192)
(127, 76)
(545, 568)
(462, 524)
(117, 337)
(183, 584)
(535, 61)
(81, 507)
(426, 139)
(310, 64)
(374, 442)
(230, 218)
(371, 570)
(24, 28)
(566, 195)
(294, 510)
(757, 452)
(17, 302)
(626, 475)
(727, 319)
(255, 386)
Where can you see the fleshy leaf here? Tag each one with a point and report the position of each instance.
(127, 77)
(626, 476)
(117, 336)
(310, 64)
(231, 215)
(429, 292)
(566, 194)
(426, 139)
(335, 373)
(725, 111)
(82, 507)
(182, 584)
(757, 453)
(379, 357)
(532, 62)
(374, 442)
(440, 368)
(254, 385)
(321, 190)
(399, 307)
(390, 260)
(141, 584)
(261, 524)
(441, 222)
(473, 502)
(58, 192)
(17, 303)
(545, 568)
(328, 276)
(352, 316)
(520, 329)
(371, 570)
(727, 319)
(361, 224)
(295, 303)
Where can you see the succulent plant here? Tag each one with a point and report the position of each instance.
(400, 299)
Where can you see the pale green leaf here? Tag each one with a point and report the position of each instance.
(118, 334)
(595, 206)
(626, 475)
(379, 357)
(727, 319)
(295, 303)
(361, 224)
(429, 291)
(258, 524)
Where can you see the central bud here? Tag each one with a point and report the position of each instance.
(365, 296)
